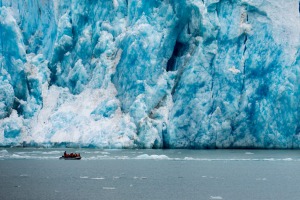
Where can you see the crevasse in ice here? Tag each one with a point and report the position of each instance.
(150, 74)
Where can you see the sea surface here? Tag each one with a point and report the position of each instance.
(37, 173)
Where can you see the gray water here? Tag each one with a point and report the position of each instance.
(150, 174)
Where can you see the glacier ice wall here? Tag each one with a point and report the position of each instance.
(150, 74)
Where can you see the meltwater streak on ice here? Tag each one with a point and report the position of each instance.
(150, 74)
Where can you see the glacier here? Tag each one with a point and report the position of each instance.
(150, 74)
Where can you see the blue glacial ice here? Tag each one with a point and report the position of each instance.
(150, 74)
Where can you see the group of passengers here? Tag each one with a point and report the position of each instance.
(71, 155)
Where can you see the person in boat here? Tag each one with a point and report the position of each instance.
(65, 154)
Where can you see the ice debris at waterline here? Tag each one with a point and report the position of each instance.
(150, 74)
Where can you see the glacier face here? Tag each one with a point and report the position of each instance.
(150, 74)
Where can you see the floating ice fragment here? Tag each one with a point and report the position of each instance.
(3, 151)
(84, 177)
(108, 188)
(155, 157)
(121, 157)
(52, 152)
(98, 178)
(24, 152)
(287, 159)
(216, 197)
(189, 158)
(261, 179)
(20, 157)
(140, 178)
(24, 175)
